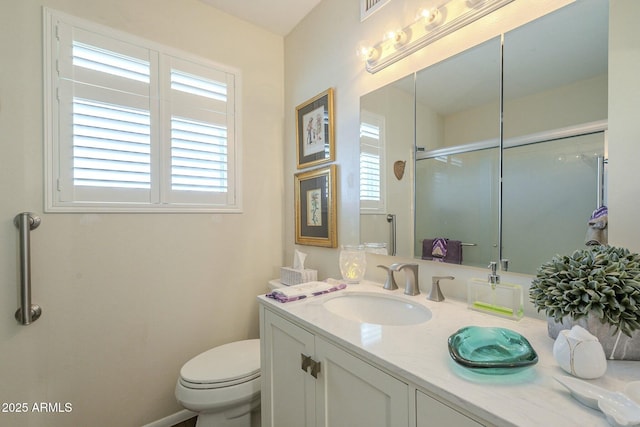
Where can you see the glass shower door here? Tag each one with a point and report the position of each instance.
(549, 190)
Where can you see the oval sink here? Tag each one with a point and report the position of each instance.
(377, 309)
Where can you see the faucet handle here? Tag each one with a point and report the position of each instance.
(436, 294)
(390, 283)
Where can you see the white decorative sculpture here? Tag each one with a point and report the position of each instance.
(580, 353)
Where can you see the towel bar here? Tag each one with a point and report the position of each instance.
(27, 313)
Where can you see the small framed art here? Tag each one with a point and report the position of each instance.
(315, 207)
(314, 130)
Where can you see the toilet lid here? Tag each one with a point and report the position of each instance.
(227, 363)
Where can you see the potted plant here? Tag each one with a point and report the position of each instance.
(598, 288)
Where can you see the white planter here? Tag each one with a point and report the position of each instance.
(617, 346)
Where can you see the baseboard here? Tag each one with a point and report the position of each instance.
(172, 419)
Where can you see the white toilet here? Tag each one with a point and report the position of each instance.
(223, 385)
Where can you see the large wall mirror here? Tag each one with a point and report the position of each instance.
(522, 189)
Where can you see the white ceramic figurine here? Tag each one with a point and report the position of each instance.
(580, 353)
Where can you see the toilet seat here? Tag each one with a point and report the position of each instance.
(224, 366)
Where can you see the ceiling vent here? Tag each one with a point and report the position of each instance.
(368, 7)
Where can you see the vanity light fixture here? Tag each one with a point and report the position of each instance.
(431, 25)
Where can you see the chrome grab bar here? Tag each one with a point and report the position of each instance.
(391, 219)
(27, 313)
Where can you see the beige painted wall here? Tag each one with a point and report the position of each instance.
(624, 126)
(128, 298)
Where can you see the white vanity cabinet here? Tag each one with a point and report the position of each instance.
(431, 412)
(402, 376)
(336, 389)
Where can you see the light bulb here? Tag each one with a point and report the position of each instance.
(368, 52)
(400, 38)
(372, 54)
(390, 35)
(432, 17)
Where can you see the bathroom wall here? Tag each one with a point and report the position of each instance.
(624, 127)
(321, 52)
(128, 298)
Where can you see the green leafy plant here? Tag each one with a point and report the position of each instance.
(602, 280)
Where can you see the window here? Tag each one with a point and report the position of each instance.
(133, 126)
(372, 177)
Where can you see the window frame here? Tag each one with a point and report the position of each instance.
(161, 197)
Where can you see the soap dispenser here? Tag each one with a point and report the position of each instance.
(493, 297)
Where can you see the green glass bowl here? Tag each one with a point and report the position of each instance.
(490, 350)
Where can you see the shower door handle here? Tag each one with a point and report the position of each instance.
(27, 313)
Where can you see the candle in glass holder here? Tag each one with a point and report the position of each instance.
(353, 263)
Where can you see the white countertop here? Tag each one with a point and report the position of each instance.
(418, 353)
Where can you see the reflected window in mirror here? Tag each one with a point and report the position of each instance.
(372, 174)
(390, 109)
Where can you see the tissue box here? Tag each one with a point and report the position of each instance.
(292, 276)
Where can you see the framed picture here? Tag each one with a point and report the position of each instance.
(315, 207)
(314, 130)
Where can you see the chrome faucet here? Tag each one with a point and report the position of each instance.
(390, 283)
(436, 294)
(411, 286)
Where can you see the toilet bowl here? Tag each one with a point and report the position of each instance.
(223, 385)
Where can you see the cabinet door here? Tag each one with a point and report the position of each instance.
(352, 393)
(288, 392)
(433, 413)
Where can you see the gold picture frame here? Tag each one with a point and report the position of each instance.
(315, 207)
(315, 131)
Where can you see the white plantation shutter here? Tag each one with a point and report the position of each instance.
(136, 128)
(200, 110)
(111, 145)
(372, 174)
(198, 156)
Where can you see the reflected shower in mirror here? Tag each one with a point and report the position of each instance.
(552, 207)
(555, 115)
(457, 158)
